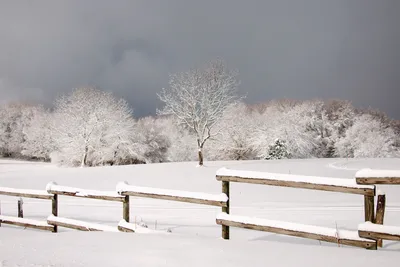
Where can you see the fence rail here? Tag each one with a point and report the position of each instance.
(39, 194)
(369, 235)
(363, 184)
(42, 225)
(376, 231)
(174, 195)
(55, 189)
(295, 181)
(372, 177)
(332, 235)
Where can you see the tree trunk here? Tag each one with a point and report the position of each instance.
(83, 163)
(200, 157)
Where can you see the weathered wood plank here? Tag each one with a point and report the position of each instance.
(39, 194)
(54, 210)
(176, 198)
(378, 180)
(79, 225)
(20, 208)
(299, 184)
(378, 235)
(125, 230)
(42, 225)
(369, 177)
(125, 209)
(369, 209)
(380, 213)
(368, 244)
(53, 188)
(377, 231)
(225, 228)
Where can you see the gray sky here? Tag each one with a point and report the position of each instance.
(296, 49)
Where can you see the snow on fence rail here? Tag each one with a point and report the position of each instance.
(53, 188)
(368, 177)
(376, 231)
(219, 200)
(28, 193)
(56, 189)
(40, 194)
(296, 181)
(79, 225)
(42, 225)
(331, 235)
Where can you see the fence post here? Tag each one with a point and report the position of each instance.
(380, 213)
(125, 209)
(20, 208)
(54, 209)
(369, 208)
(225, 190)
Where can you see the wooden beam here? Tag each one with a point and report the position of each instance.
(26, 223)
(368, 177)
(54, 210)
(225, 228)
(380, 213)
(377, 231)
(369, 191)
(125, 209)
(39, 194)
(176, 198)
(378, 180)
(357, 242)
(124, 226)
(378, 235)
(87, 194)
(79, 225)
(369, 209)
(20, 208)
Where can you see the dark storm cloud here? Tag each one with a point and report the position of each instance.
(296, 49)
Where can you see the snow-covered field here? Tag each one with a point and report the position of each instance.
(195, 238)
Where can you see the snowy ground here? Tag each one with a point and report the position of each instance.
(195, 238)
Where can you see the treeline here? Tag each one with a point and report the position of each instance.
(89, 127)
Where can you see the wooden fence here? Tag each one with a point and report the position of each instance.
(122, 194)
(20, 221)
(364, 184)
(369, 234)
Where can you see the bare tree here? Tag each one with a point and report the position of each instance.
(198, 98)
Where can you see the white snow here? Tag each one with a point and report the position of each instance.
(378, 228)
(139, 229)
(24, 220)
(24, 191)
(124, 187)
(80, 192)
(196, 238)
(87, 225)
(332, 232)
(369, 173)
(292, 178)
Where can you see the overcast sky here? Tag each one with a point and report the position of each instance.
(298, 49)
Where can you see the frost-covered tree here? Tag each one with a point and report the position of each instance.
(154, 143)
(92, 127)
(198, 98)
(287, 123)
(38, 141)
(182, 142)
(367, 138)
(13, 119)
(233, 142)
